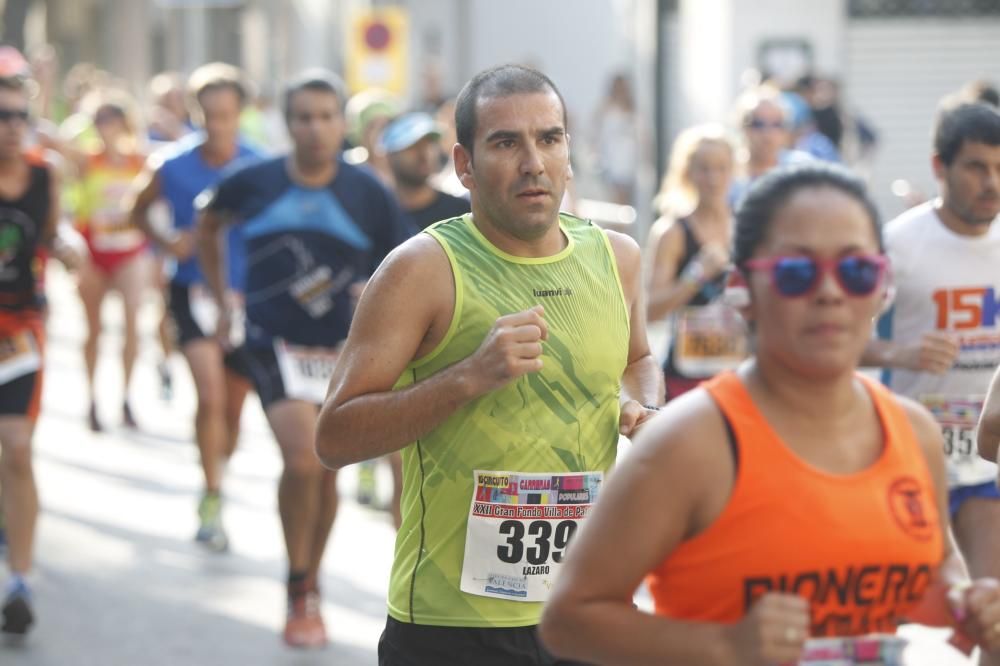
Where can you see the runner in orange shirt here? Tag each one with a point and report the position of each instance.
(791, 499)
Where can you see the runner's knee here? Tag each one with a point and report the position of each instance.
(302, 462)
(16, 460)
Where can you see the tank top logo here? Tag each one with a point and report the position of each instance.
(546, 293)
(907, 504)
(14, 227)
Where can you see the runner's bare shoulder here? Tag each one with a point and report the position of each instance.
(689, 446)
(416, 281)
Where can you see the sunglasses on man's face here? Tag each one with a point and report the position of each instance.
(10, 115)
(857, 274)
(759, 124)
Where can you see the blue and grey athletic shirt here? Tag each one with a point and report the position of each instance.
(305, 246)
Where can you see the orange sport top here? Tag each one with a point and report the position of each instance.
(861, 547)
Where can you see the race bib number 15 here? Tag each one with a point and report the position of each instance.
(520, 525)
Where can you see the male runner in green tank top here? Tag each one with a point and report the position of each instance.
(503, 352)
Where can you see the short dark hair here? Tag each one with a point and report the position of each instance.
(217, 76)
(773, 190)
(318, 79)
(500, 81)
(961, 122)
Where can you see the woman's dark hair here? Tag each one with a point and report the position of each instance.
(772, 191)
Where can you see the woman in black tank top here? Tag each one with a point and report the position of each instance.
(690, 243)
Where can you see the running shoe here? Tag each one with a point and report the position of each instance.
(17, 614)
(127, 417)
(95, 425)
(304, 626)
(166, 381)
(210, 531)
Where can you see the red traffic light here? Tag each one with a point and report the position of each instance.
(377, 36)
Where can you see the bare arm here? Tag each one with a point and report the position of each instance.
(935, 352)
(55, 206)
(48, 137)
(210, 230)
(65, 243)
(673, 484)
(666, 291)
(642, 381)
(145, 192)
(988, 430)
(948, 591)
(402, 315)
(953, 569)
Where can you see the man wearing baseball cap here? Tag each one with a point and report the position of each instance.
(411, 143)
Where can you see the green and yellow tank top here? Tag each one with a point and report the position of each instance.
(492, 496)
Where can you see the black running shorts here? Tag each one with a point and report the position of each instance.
(405, 644)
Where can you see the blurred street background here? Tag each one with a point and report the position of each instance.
(119, 579)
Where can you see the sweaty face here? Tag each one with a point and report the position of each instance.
(711, 170)
(824, 332)
(517, 173)
(316, 124)
(413, 166)
(13, 128)
(221, 112)
(970, 186)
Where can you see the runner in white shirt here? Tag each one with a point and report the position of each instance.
(940, 343)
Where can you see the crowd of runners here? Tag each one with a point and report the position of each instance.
(405, 284)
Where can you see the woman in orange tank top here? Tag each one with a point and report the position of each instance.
(790, 499)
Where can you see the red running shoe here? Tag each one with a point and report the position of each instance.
(304, 627)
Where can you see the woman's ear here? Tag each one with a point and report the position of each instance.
(736, 294)
(888, 297)
(463, 166)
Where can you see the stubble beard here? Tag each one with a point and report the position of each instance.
(506, 220)
(965, 214)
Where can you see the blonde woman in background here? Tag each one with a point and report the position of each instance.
(690, 253)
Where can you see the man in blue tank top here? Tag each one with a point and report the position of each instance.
(178, 174)
(315, 228)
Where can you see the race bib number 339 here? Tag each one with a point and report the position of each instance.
(520, 525)
(958, 416)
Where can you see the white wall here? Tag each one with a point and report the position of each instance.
(896, 74)
(578, 44)
(720, 41)
(822, 23)
(706, 73)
